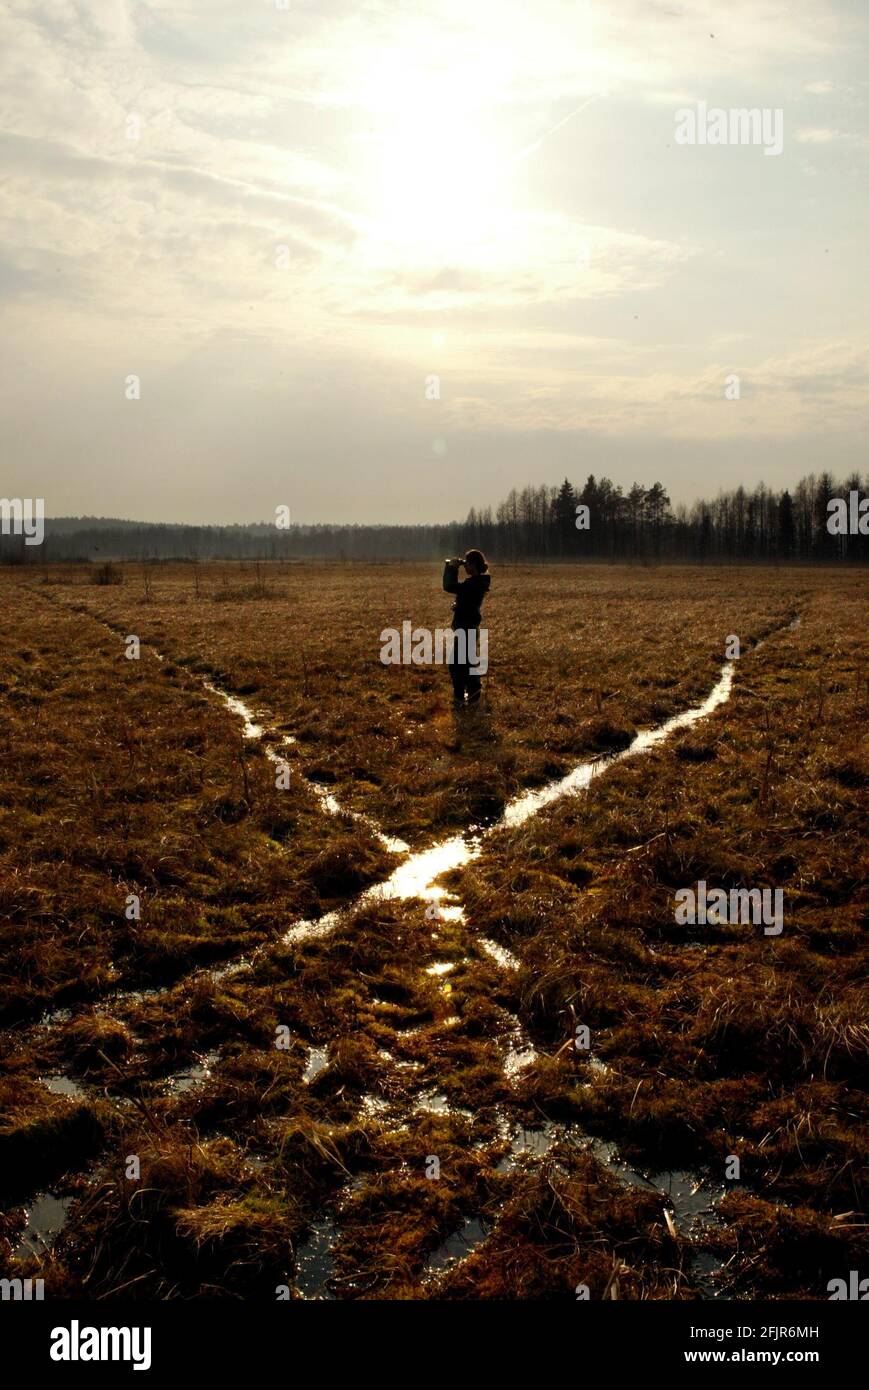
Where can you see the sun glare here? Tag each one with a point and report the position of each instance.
(435, 176)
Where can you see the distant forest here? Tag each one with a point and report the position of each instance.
(537, 523)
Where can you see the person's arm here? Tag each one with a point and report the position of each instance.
(451, 576)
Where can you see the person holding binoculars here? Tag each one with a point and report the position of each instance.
(467, 616)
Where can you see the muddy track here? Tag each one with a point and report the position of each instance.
(416, 879)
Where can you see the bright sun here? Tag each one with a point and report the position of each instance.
(435, 177)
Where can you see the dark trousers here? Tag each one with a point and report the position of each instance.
(463, 680)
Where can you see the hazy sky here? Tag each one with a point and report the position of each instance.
(329, 203)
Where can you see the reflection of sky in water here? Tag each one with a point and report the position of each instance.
(317, 1062)
(62, 1085)
(314, 1262)
(45, 1220)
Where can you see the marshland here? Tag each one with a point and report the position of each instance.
(416, 1018)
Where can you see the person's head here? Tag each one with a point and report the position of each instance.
(475, 562)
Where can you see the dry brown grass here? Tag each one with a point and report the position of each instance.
(578, 659)
(127, 777)
(718, 1040)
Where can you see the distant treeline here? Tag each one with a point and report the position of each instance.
(536, 523)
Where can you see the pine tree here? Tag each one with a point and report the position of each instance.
(786, 528)
(564, 509)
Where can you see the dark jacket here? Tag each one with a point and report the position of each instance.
(469, 594)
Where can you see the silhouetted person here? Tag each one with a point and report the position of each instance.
(467, 616)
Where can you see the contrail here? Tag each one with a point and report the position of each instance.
(535, 144)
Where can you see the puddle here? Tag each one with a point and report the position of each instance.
(373, 1107)
(435, 1103)
(517, 1059)
(457, 1246)
(527, 1141)
(705, 1268)
(258, 1162)
(309, 930)
(691, 1200)
(415, 878)
(689, 1197)
(192, 1075)
(46, 1218)
(442, 968)
(53, 1017)
(317, 1061)
(498, 953)
(451, 913)
(314, 1264)
(62, 1085)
